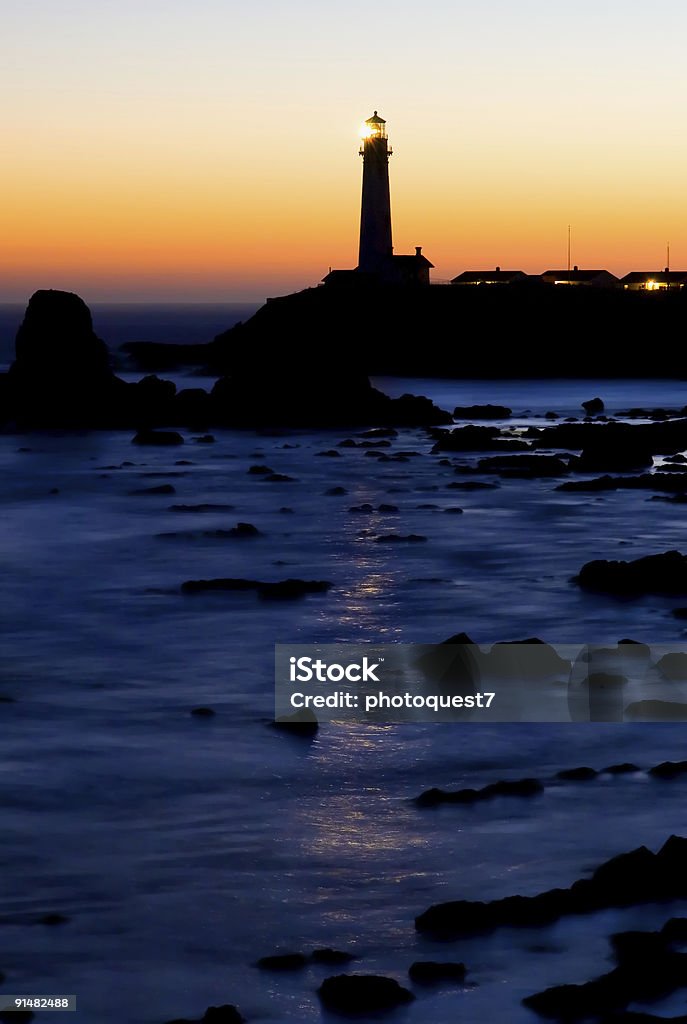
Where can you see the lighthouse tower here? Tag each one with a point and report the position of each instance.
(375, 213)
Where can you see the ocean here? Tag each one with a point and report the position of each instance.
(180, 849)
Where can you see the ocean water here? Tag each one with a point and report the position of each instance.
(181, 849)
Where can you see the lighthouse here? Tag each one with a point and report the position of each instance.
(376, 261)
(375, 212)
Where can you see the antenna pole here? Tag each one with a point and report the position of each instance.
(568, 248)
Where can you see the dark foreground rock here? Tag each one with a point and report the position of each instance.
(639, 876)
(61, 377)
(654, 574)
(362, 993)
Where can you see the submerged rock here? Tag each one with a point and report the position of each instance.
(362, 993)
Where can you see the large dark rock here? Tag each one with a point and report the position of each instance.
(639, 876)
(654, 574)
(362, 993)
(289, 393)
(61, 374)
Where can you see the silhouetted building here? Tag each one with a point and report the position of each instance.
(583, 278)
(376, 258)
(654, 281)
(375, 209)
(496, 276)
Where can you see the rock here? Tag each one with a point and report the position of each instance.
(679, 613)
(522, 659)
(198, 586)
(673, 666)
(621, 769)
(203, 713)
(53, 919)
(672, 482)
(428, 972)
(630, 878)
(260, 471)
(61, 374)
(204, 507)
(222, 1015)
(362, 993)
(366, 508)
(647, 970)
(331, 453)
(387, 509)
(675, 930)
(613, 457)
(243, 530)
(668, 769)
(300, 723)
(283, 962)
(593, 406)
(284, 589)
(161, 489)
(335, 492)
(454, 510)
(288, 590)
(665, 573)
(515, 787)
(331, 956)
(656, 711)
(482, 412)
(279, 478)
(577, 774)
(157, 437)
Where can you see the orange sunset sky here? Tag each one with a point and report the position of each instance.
(208, 152)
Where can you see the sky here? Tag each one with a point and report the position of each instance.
(169, 150)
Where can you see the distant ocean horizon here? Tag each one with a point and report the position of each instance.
(118, 322)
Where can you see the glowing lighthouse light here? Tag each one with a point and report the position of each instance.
(373, 128)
